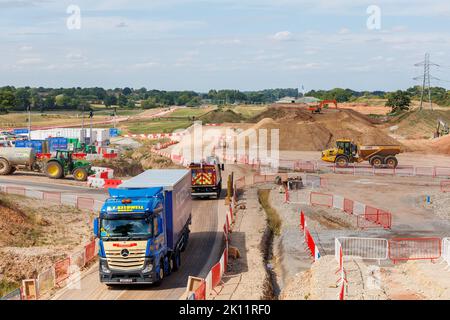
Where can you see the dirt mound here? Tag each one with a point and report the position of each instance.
(442, 145)
(221, 116)
(284, 113)
(301, 131)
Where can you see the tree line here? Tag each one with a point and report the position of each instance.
(42, 99)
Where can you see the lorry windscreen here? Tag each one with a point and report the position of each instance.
(126, 228)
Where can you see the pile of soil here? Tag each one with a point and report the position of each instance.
(122, 167)
(34, 234)
(442, 145)
(302, 131)
(221, 116)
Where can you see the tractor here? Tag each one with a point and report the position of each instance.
(63, 164)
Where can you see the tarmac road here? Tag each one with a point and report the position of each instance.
(203, 251)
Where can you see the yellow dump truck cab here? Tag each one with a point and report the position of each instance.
(344, 153)
(347, 152)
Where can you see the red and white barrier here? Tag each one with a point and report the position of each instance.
(402, 249)
(321, 199)
(445, 186)
(446, 251)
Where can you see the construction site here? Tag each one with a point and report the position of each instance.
(356, 208)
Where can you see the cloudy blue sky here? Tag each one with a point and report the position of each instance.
(235, 44)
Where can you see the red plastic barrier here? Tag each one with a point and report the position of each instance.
(310, 242)
(110, 155)
(404, 171)
(112, 183)
(41, 156)
(445, 186)
(302, 220)
(215, 271)
(321, 199)
(344, 170)
(257, 178)
(323, 182)
(371, 210)
(402, 249)
(424, 171)
(384, 218)
(304, 166)
(79, 156)
(85, 203)
(348, 206)
(342, 292)
(15, 190)
(384, 171)
(62, 270)
(89, 251)
(52, 196)
(443, 172)
(200, 293)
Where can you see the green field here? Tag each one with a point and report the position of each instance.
(190, 112)
(248, 111)
(136, 126)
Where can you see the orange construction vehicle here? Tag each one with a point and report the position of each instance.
(206, 178)
(318, 108)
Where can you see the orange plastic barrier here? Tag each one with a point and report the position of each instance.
(402, 249)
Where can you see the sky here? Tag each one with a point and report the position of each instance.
(223, 44)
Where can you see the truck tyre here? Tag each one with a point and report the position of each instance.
(160, 273)
(376, 161)
(5, 167)
(13, 169)
(341, 161)
(54, 170)
(176, 260)
(80, 174)
(391, 162)
(167, 268)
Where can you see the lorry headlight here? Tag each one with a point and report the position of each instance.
(104, 267)
(148, 268)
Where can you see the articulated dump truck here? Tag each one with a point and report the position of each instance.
(143, 227)
(347, 152)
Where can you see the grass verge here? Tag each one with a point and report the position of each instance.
(273, 219)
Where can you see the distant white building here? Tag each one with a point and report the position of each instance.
(305, 100)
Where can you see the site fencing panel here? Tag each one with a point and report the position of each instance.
(359, 208)
(62, 270)
(85, 203)
(446, 250)
(406, 171)
(364, 170)
(46, 280)
(338, 202)
(348, 206)
(365, 248)
(89, 251)
(321, 199)
(402, 249)
(445, 185)
(20, 191)
(424, 171)
(52, 197)
(78, 259)
(442, 172)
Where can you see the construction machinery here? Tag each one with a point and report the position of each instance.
(206, 178)
(442, 129)
(318, 108)
(63, 164)
(144, 227)
(26, 159)
(347, 152)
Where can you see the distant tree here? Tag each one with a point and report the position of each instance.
(23, 99)
(127, 91)
(110, 100)
(122, 100)
(398, 101)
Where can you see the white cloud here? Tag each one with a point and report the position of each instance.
(282, 36)
(29, 61)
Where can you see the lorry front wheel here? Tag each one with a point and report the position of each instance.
(5, 167)
(176, 260)
(341, 161)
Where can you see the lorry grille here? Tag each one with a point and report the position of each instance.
(134, 260)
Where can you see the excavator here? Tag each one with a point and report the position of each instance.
(318, 108)
(442, 129)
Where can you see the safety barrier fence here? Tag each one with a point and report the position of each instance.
(54, 276)
(309, 240)
(446, 250)
(445, 185)
(402, 249)
(366, 216)
(215, 275)
(395, 249)
(80, 202)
